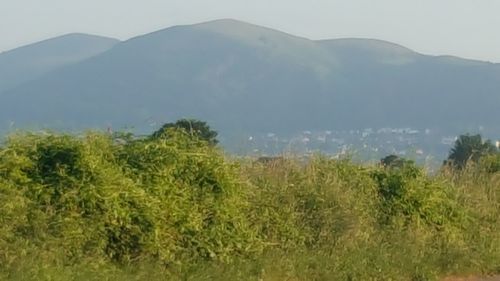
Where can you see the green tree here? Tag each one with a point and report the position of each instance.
(394, 161)
(469, 148)
(193, 127)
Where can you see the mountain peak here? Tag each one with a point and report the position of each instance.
(67, 38)
(87, 36)
(34, 60)
(243, 30)
(224, 21)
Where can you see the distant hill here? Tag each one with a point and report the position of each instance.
(245, 78)
(32, 61)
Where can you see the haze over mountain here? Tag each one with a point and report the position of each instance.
(245, 78)
(29, 62)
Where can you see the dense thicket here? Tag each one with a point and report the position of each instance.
(104, 207)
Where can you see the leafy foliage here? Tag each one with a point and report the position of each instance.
(163, 198)
(101, 207)
(394, 161)
(408, 195)
(491, 163)
(193, 127)
(469, 149)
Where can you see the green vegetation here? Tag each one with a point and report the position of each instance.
(470, 149)
(195, 128)
(394, 161)
(109, 207)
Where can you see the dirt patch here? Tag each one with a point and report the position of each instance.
(472, 278)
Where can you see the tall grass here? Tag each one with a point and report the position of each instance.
(101, 207)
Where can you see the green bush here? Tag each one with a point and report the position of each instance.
(408, 195)
(490, 163)
(114, 207)
(166, 199)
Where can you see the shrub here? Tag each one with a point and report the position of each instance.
(408, 195)
(490, 163)
(98, 207)
(166, 199)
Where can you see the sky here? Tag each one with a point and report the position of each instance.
(465, 28)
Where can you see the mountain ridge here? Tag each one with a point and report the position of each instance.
(58, 37)
(242, 77)
(31, 61)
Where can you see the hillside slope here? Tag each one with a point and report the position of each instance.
(32, 61)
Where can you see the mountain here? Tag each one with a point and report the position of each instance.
(245, 78)
(30, 62)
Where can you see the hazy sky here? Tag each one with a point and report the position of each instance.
(467, 28)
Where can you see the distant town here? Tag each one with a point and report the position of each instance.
(425, 146)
